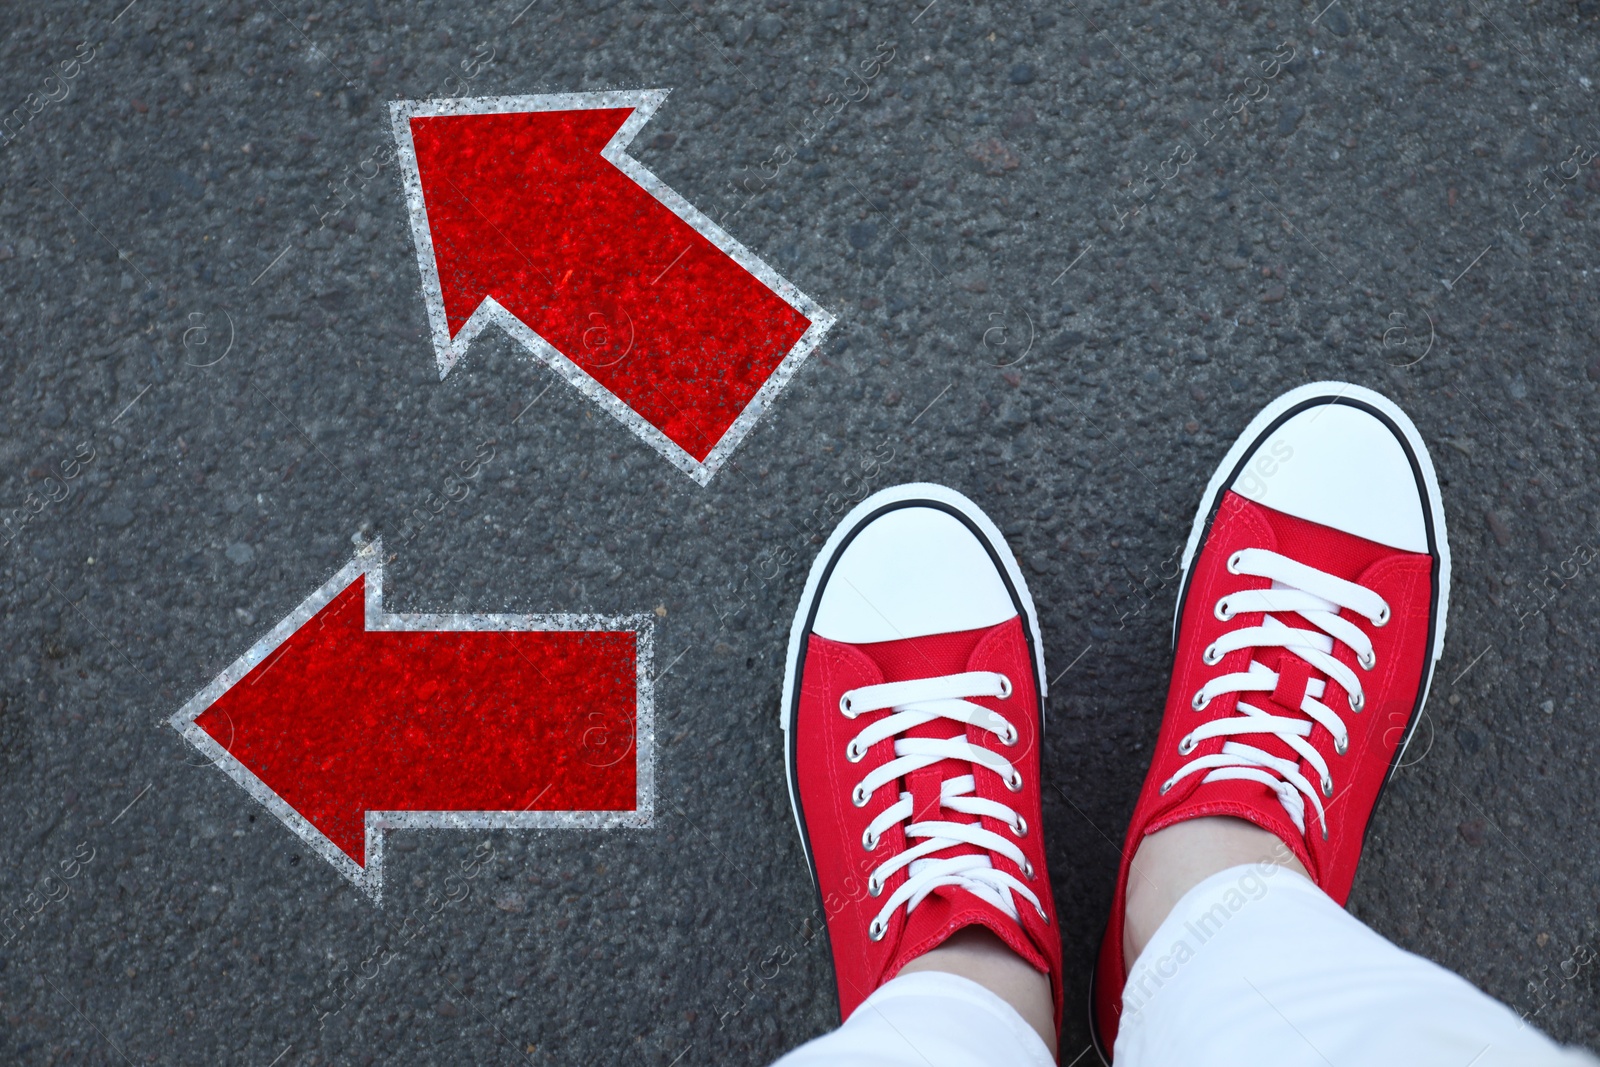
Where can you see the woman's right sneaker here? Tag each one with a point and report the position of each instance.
(913, 710)
(1312, 614)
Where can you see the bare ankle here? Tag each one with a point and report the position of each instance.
(979, 956)
(1172, 861)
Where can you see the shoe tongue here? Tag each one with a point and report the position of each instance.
(1254, 803)
(1333, 552)
(948, 908)
(924, 657)
(930, 657)
(1280, 661)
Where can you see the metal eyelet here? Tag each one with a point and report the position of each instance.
(1211, 656)
(1040, 909)
(1005, 687)
(1383, 617)
(1200, 700)
(1233, 562)
(1186, 745)
(1014, 781)
(1341, 745)
(1369, 661)
(1327, 787)
(1009, 738)
(844, 706)
(868, 841)
(859, 797)
(854, 753)
(1165, 786)
(1221, 610)
(876, 929)
(874, 887)
(1020, 827)
(1027, 870)
(1357, 702)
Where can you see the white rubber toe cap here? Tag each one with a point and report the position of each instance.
(1341, 466)
(911, 572)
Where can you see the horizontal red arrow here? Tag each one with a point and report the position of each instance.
(528, 213)
(347, 720)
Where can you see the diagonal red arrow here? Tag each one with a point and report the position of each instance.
(347, 720)
(528, 213)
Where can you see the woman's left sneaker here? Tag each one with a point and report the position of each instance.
(1316, 580)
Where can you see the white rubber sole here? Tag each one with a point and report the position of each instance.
(1260, 426)
(857, 518)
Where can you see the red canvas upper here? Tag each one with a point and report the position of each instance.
(1391, 688)
(834, 826)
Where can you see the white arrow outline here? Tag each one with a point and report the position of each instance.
(369, 562)
(448, 351)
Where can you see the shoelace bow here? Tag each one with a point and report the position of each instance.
(1316, 597)
(916, 703)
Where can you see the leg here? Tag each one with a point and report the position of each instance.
(1173, 861)
(1257, 965)
(978, 956)
(927, 1019)
(1316, 585)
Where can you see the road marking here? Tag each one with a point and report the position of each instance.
(674, 263)
(715, 344)
(432, 721)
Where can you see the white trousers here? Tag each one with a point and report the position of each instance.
(1255, 965)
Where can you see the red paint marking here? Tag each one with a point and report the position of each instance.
(518, 200)
(345, 710)
(346, 722)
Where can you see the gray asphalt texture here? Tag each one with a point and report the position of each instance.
(1071, 250)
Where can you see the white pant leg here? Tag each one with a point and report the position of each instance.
(1256, 965)
(927, 1019)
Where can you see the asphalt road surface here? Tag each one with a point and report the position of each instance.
(1071, 249)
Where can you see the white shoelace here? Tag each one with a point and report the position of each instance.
(1316, 597)
(916, 703)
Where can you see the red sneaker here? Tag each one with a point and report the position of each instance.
(912, 717)
(1312, 613)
